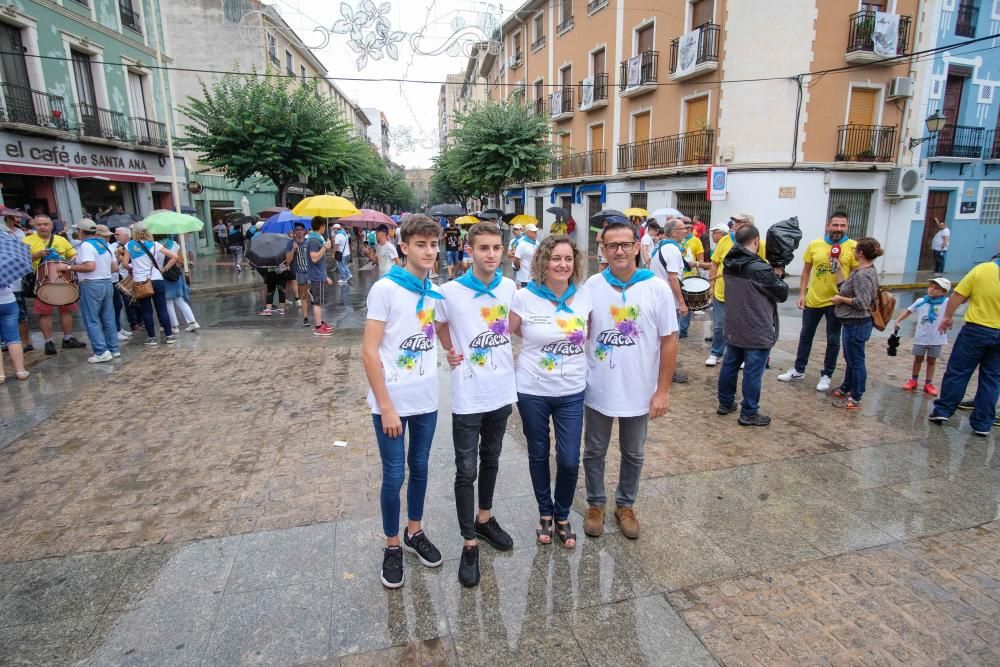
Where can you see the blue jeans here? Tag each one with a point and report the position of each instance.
(975, 345)
(810, 322)
(395, 459)
(855, 334)
(8, 323)
(754, 360)
(683, 322)
(97, 309)
(159, 302)
(939, 256)
(718, 327)
(566, 413)
(344, 268)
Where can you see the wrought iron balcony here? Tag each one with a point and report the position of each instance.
(866, 143)
(538, 43)
(991, 147)
(673, 151)
(33, 107)
(957, 141)
(565, 26)
(565, 105)
(861, 38)
(965, 19)
(600, 96)
(591, 163)
(102, 123)
(706, 57)
(594, 5)
(538, 106)
(648, 72)
(148, 132)
(130, 18)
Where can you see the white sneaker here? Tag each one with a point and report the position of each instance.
(116, 355)
(194, 326)
(792, 375)
(100, 358)
(824, 383)
(151, 342)
(122, 336)
(341, 282)
(742, 365)
(712, 360)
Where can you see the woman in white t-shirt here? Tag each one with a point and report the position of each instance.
(550, 316)
(142, 268)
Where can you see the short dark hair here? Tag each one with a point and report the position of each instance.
(382, 228)
(613, 225)
(298, 223)
(318, 223)
(653, 226)
(484, 228)
(747, 235)
(839, 213)
(419, 225)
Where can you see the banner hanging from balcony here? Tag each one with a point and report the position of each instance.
(587, 92)
(885, 34)
(634, 70)
(556, 101)
(687, 53)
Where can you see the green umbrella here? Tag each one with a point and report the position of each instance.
(171, 222)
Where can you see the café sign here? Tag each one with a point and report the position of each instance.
(38, 151)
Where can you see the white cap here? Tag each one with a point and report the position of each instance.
(336, 226)
(530, 228)
(943, 283)
(719, 228)
(518, 227)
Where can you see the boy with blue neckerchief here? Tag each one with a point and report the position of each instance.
(316, 249)
(928, 340)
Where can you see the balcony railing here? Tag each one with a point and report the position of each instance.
(594, 5)
(708, 46)
(866, 143)
(991, 147)
(130, 18)
(647, 71)
(538, 43)
(33, 107)
(538, 106)
(591, 163)
(961, 141)
(965, 20)
(102, 123)
(860, 36)
(600, 88)
(565, 25)
(566, 102)
(676, 150)
(148, 132)
(82, 2)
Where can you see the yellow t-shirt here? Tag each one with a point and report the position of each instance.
(719, 254)
(59, 244)
(822, 282)
(981, 286)
(692, 248)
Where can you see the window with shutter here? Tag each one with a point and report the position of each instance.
(861, 109)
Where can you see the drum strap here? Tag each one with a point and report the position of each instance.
(663, 262)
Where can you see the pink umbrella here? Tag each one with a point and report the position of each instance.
(366, 217)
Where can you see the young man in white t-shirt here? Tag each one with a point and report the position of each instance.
(928, 339)
(474, 329)
(523, 252)
(385, 252)
(399, 354)
(667, 262)
(631, 356)
(94, 265)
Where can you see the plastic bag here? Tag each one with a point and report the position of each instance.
(782, 241)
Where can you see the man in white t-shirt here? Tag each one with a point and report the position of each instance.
(631, 356)
(94, 264)
(515, 240)
(523, 252)
(939, 245)
(385, 252)
(649, 241)
(667, 262)
(399, 355)
(342, 246)
(474, 329)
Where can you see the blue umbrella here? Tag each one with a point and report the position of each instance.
(15, 259)
(282, 223)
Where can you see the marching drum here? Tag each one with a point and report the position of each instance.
(53, 287)
(697, 293)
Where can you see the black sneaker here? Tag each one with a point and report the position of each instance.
(392, 567)
(28, 348)
(50, 348)
(680, 377)
(494, 535)
(419, 545)
(754, 420)
(937, 419)
(468, 567)
(726, 409)
(305, 321)
(966, 405)
(72, 343)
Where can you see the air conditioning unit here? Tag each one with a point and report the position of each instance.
(904, 183)
(901, 86)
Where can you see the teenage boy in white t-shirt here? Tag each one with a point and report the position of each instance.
(400, 359)
(631, 355)
(474, 329)
(523, 252)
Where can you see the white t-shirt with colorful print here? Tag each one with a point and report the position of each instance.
(480, 331)
(409, 348)
(623, 346)
(552, 360)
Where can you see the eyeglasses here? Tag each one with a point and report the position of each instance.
(615, 247)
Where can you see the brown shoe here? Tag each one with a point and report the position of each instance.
(593, 521)
(628, 522)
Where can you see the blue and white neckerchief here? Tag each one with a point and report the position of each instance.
(100, 246)
(467, 279)
(637, 277)
(933, 302)
(544, 292)
(410, 282)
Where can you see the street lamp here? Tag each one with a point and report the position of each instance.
(935, 123)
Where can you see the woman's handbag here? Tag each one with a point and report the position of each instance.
(144, 290)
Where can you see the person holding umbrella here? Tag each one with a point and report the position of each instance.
(15, 262)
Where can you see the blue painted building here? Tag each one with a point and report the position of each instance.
(962, 161)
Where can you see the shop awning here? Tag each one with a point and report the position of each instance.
(23, 169)
(112, 175)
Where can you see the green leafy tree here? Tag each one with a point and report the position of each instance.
(248, 126)
(498, 144)
(449, 184)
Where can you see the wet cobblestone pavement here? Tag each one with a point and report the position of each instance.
(189, 506)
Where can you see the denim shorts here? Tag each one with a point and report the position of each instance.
(8, 323)
(930, 351)
(454, 257)
(22, 308)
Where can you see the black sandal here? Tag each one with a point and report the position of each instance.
(545, 530)
(565, 533)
